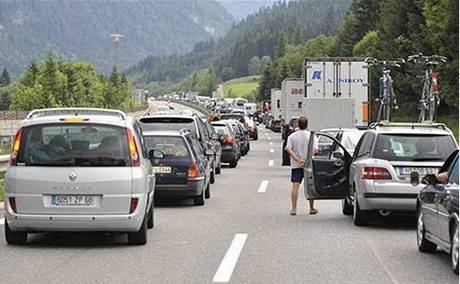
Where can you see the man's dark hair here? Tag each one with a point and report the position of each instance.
(303, 123)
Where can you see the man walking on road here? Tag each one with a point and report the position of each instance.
(297, 147)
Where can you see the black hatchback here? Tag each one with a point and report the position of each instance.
(437, 211)
(185, 171)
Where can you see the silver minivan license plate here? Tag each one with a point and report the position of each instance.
(73, 200)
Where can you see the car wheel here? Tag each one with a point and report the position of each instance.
(14, 238)
(207, 192)
(233, 163)
(347, 207)
(213, 177)
(219, 170)
(423, 244)
(360, 217)
(199, 200)
(139, 237)
(150, 221)
(454, 248)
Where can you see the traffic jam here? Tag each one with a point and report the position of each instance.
(101, 170)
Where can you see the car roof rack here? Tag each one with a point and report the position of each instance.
(75, 111)
(408, 124)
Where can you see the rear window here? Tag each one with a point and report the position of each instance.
(221, 129)
(171, 146)
(231, 116)
(74, 145)
(167, 123)
(413, 147)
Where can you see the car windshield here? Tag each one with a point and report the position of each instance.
(74, 145)
(171, 146)
(350, 139)
(167, 123)
(413, 147)
(231, 116)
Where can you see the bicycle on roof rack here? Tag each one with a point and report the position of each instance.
(430, 90)
(387, 96)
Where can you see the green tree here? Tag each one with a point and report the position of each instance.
(298, 36)
(281, 46)
(254, 66)
(367, 46)
(5, 79)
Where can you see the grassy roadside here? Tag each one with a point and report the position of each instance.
(245, 87)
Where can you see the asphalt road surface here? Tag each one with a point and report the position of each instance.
(243, 234)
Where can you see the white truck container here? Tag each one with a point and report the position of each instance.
(339, 78)
(329, 113)
(292, 97)
(276, 104)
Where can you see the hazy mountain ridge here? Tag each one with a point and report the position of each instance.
(81, 29)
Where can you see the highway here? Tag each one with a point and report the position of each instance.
(243, 234)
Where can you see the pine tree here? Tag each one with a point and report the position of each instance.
(5, 79)
(281, 46)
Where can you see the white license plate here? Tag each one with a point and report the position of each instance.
(162, 170)
(73, 200)
(421, 171)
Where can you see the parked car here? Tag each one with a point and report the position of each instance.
(377, 177)
(437, 212)
(232, 116)
(214, 138)
(178, 122)
(76, 169)
(252, 128)
(230, 144)
(185, 171)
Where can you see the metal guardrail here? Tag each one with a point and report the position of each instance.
(203, 110)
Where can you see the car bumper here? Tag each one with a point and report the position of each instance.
(389, 196)
(191, 189)
(228, 156)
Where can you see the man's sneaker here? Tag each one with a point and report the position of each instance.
(313, 211)
(293, 212)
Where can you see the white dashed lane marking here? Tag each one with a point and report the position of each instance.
(263, 186)
(226, 267)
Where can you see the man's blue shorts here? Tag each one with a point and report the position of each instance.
(297, 175)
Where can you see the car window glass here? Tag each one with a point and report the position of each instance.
(453, 176)
(197, 147)
(365, 145)
(405, 147)
(76, 145)
(171, 146)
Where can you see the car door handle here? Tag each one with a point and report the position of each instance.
(338, 164)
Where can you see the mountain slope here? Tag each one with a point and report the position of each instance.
(240, 9)
(80, 29)
(257, 35)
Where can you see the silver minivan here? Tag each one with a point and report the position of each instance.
(78, 169)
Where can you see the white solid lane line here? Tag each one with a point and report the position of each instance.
(269, 138)
(2, 221)
(270, 163)
(271, 143)
(263, 186)
(225, 270)
(272, 151)
(265, 134)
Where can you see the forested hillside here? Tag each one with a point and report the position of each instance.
(258, 35)
(80, 29)
(387, 30)
(242, 8)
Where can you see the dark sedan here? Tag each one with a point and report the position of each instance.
(230, 144)
(437, 211)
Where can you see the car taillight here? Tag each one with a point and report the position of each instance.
(228, 140)
(133, 153)
(193, 171)
(16, 147)
(12, 201)
(376, 173)
(134, 202)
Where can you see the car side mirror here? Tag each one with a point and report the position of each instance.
(337, 155)
(209, 152)
(429, 180)
(414, 178)
(156, 155)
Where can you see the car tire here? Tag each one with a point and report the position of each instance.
(139, 238)
(219, 170)
(199, 200)
(212, 179)
(423, 244)
(454, 247)
(233, 163)
(14, 238)
(207, 192)
(360, 217)
(150, 220)
(347, 207)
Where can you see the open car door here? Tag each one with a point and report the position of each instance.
(326, 177)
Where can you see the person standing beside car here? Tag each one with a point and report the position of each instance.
(297, 147)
